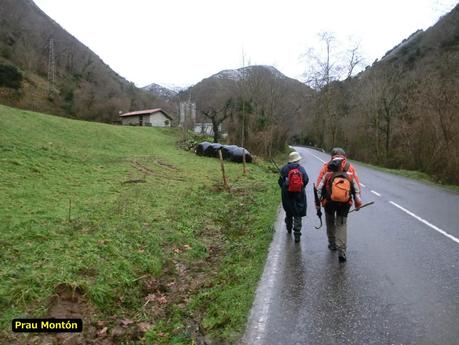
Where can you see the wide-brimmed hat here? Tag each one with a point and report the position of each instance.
(294, 157)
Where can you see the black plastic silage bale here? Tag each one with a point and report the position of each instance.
(227, 151)
(212, 150)
(201, 148)
(237, 155)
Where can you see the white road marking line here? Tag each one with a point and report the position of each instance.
(362, 185)
(320, 159)
(444, 233)
(376, 193)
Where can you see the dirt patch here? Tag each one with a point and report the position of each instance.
(166, 165)
(170, 173)
(180, 280)
(68, 302)
(142, 168)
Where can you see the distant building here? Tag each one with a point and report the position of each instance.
(187, 113)
(150, 117)
(206, 128)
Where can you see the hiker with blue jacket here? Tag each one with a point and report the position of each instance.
(293, 181)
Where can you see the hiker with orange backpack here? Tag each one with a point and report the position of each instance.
(293, 181)
(337, 187)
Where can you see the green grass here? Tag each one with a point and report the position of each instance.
(204, 246)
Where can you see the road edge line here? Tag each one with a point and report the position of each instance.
(257, 321)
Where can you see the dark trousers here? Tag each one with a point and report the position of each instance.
(293, 222)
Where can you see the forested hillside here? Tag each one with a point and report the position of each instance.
(257, 102)
(402, 112)
(84, 86)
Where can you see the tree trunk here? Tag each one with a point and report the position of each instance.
(215, 130)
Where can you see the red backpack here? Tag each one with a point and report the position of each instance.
(295, 180)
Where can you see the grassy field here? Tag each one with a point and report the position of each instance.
(120, 225)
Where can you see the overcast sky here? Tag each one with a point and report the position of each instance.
(181, 42)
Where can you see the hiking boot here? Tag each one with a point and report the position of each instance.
(297, 238)
(332, 246)
(289, 231)
(342, 257)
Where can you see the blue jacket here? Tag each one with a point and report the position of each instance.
(294, 203)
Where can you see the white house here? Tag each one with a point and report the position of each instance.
(207, 128)
(204, 128)
(150, 117)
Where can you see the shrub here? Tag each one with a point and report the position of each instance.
(10, 76)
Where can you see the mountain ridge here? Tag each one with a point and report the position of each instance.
(160, 91)
(85, 86)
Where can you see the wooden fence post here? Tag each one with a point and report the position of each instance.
(225, 182)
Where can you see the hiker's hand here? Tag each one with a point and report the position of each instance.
(357, 203)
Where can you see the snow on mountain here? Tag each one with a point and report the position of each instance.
(160, 91)
(229, 74)
(176, 88)
(169, 91)
(238, 74)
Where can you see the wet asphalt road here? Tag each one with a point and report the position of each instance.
(400, 284)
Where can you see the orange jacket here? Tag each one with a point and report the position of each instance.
(351, 173)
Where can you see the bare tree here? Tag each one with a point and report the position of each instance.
(322, 66)
(354, 59)
(217, 116)
(325, 67)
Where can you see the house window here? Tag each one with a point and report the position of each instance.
(141, 120)
(166, 123)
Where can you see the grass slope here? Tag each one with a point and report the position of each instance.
(176, 256)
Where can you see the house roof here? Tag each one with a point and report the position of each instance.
(147, 111)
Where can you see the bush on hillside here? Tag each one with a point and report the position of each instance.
(189, 140)
(10, 76)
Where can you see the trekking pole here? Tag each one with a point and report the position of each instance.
(364, 205)
(319, 210)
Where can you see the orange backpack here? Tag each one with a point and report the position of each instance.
(338, 186)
